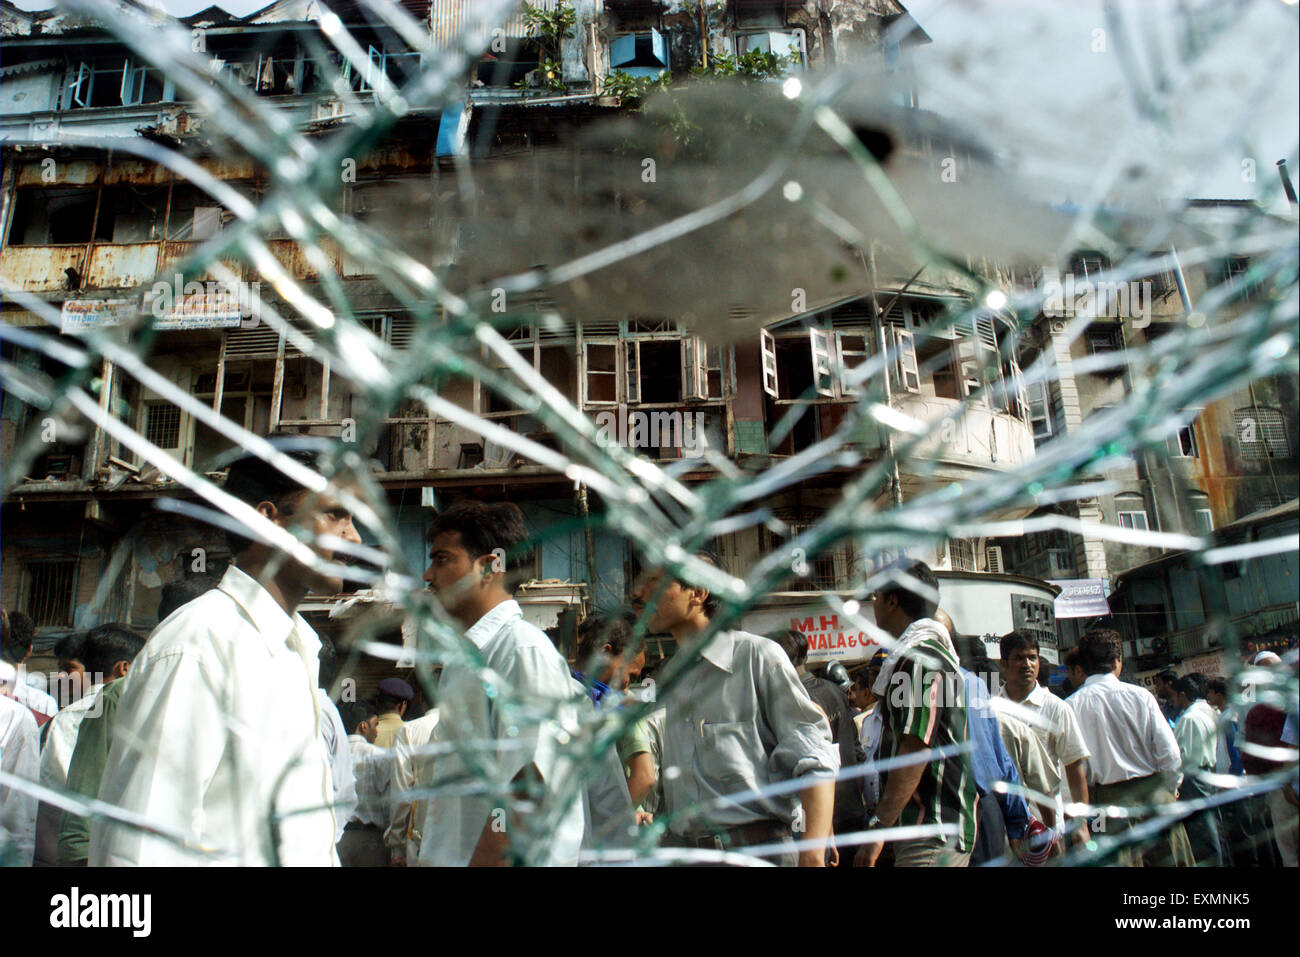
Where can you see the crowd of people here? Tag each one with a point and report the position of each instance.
(216, 741)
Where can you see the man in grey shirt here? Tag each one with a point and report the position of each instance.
(738, 722)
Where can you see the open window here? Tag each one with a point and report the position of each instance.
(904, 373)
(114, 81)
(643, 54)
(788, 44)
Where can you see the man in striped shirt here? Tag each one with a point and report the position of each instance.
(923, 694)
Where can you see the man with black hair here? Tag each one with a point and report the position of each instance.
(513, 737)
(218, 732)
(737, 722)
(1164, 691)
(850, 806)
(1197, 731)
(108, 651)
(16, 638)
(181, 592)
(1133, 755)
(924, 694)
(603, 646)
(362, 842)
(70, 683)
(1041, 732)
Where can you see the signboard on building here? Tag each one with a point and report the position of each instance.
(1081, 598)
(831, 636)
(79, 315)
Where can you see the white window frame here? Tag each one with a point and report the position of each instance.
(767, 347)
(1128, 517)
(1203, 520)
(1177, 449)
(904, 369)
(849, 360)
(619, 373)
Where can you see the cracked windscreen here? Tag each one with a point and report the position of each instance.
(649, 433)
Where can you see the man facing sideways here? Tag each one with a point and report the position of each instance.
(1133, 755)
(362, 842)
(217, 732)
(1042, 732)
(1197, 732)
(107, 652)
(850, 806)
(506, 706)
(737, 722)
(924, 696)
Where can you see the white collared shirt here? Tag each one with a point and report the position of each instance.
(218, 734)
(372, 770)
(518, 710)
(1126, 734)
(19, 744)
(1197, 733)
(1056, 740)
(335, 738)
(61, 739)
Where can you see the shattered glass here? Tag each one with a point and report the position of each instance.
(724, 207)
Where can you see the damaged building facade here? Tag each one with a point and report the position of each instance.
(92, 233)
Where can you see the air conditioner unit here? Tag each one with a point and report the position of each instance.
(993, 559)
(327, 110)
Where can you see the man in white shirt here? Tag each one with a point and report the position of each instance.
(1197, 732)
(1134, 758)
(1041, 732)
(217, 736)
(507, 709)
(19, 744)
(17, 633)
(107, 652)
(362, 844)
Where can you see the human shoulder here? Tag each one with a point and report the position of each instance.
(199, 626)
(15, 717)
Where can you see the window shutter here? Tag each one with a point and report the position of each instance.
(767, 344)
(821, 362)
(694, 378)
(907, 376)
(993, 559)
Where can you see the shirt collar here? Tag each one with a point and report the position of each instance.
(1106, 678)
(270, 621)
(721, 651)
(491, 623)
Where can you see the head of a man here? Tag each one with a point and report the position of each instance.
(911, 593)
(795, 645)
(394, 696)
(1101, 652)
(860, 694)
(360, 718)
(472, 550)
(70, 683)
(19, 633)
(605, 650)
(110, 649)
(1019, 653)
(181, 592)
(1074, 672)
(1187, 690)
(287, 503)
(680, 608)
(1164, 685)
(1216, 692)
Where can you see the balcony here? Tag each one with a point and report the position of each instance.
(976, 437)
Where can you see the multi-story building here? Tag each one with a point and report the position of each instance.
(86, 231)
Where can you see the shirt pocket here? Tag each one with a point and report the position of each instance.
(730, 755)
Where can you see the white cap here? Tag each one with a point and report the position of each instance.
(1267, 658)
